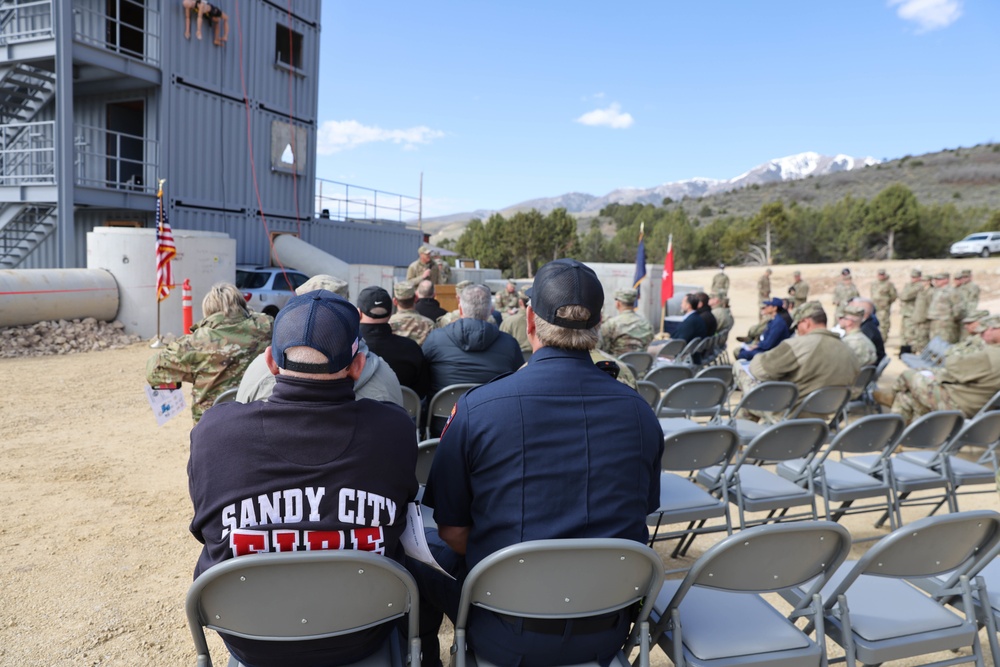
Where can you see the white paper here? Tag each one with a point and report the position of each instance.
(415, 542)
(165, 403)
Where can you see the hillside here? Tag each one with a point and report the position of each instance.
(966, 177)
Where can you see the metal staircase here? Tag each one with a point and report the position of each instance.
(22, 228)
(24, 89)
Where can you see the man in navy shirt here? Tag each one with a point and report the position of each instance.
(557, 449)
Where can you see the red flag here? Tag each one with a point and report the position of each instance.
(667, 285)
(165, 250)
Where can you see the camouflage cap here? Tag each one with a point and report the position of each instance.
(991, 322)
(324, 281)
(805, 310)
(797, 273)
(883, 272)
(628, 296)
(424, 250)
(976, 316)
(915, 273)
(721, 294)
(965, 273)
(523, 293)
(461, 285)
(403, 291)
(944, 275)
(854, 311)
(511, 281)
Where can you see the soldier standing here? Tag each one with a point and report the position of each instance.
(944, 310)
(423, 268)
(799, 290)
(720, 309)
(720, 281)
(844, 292)
(883, 295)
(444, 270)
(764, 288)
(628, 331)
(968, 293)
(921, 323)
(908, 300)
(407, 321)
(506, 299)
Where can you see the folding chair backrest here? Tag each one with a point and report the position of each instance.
(425, 456)
(689, 349)
(769, 397)
(299, 596)
(864, 377)
(671, 348)
(443, 401)
(694, 449)
(827, 401)
(640, 361)
(788, 440)
(872, 433)
(882, 365)
(992, 404)
(648, 391)
(411, 402)
(931, 546)
(768, 558)
(693, 395)
(668, 375)
(228, 396)
(931, 431)
(724, 373)
(981, 431)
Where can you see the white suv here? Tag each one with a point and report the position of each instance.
(268, 288)
(980, 243)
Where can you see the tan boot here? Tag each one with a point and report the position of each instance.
(884, 397)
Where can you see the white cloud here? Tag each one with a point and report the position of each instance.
(928, 14)
(334, 136)
(610, 117)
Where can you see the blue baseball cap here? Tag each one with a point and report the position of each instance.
(320, 320)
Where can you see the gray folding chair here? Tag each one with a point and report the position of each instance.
(411, 403)
(688, 399)
(686, 356)
(992, 404)
(982, 431)
(717, 617)
(929, 432)
(440, 407)
(681, 499)
(228, 396)
(670, 349)
(837, 482)
(425, 457)
(564, 579)
(861, 399)
(775, 398)
(873, 612)
(720, 372)
(825, 402)
(640, 361)
(755, 489)
(305, 595)
(666, 376)
(648, 391)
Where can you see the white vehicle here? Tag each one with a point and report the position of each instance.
(980, 243)
(267, 288)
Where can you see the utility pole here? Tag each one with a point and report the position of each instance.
(420, 205)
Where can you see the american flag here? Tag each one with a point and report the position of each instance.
(165, 250)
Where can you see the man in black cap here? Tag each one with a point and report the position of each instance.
(558, 449)
(403, 354)
(310, 468)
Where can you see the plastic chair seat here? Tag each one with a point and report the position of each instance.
(671, 425)
(763, 490)
(680, 497)
(966, 472)
(908, 476)
(748, 429)
(843, 482)
(752, 626)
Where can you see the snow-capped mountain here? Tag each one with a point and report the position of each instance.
(788, 168)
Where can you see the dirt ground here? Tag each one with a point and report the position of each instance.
(96, 555)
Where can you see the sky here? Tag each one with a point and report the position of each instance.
(498, 102)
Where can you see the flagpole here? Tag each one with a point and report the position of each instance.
(158, 341)
(663, 301)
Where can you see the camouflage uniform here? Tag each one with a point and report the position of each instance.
(447, 319)
(723, 317)
(763, 290)
(968, 293)
(624, 374)
(213, 357)
(920, 323)
(411, 324)
(800, 293)
(757, 330)
(907, 300)
(944, 312)
(883, 296)
(966, 382)
(862, 347)
(720, 282)
(842, 294)
(505, 301)
(623, 333)
(517, 326)
(444, 271)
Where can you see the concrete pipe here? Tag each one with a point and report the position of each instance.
(293, 252)
(28, 296)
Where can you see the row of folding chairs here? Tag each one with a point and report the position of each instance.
(872, 465)
(920, 590)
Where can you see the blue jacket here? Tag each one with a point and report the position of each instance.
(692, 326)
(470, 351)
(777, 330)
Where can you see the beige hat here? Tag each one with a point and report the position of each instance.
(626, 296)
(991, 322)
(403, 291)
(805, 310)
(976, 316)
(461, 285)
(883, 272)
(915, 273)
(324, 281)
(942, 276)
(855, 311)
(424, 250)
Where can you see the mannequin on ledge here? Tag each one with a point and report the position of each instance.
(203, 9)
